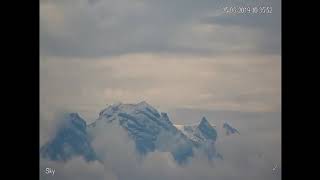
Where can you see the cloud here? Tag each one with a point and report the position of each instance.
(50, 120)
(251, 155)
(106, 28)
(174, 54)
(76, 168)
(249, 83)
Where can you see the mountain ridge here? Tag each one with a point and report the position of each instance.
(150, 130)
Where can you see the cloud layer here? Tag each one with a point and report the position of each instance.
(244, 158)
(249, 84)
(95, 28)
(173, 54)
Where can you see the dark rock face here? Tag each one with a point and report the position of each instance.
(71, 140)
(149, 129)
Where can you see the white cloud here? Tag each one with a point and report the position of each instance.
(251, 155)
(76, 168)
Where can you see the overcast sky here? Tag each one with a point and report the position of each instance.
(184, 57)
(173, 54)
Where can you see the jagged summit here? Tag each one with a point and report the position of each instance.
(117, 104)
(146, 126)
(128, 108)
(143, 103)
(204, 123)
(207, 130)
(229, 129)
(199, 133)
(203, 136)
(75, 120)
(149, 129)
(71, 140)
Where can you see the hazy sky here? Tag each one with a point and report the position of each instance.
(173, 54)
(184, 57)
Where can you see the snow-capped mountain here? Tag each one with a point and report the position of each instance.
(203, 136)
(199, 133)
(70, 140)
(229, 129)
(149, 129)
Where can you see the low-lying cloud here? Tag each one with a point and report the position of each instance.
(243, 158)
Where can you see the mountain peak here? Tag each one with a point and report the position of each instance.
(229, 129)
(143, 103)
(149, 130)
(204, 122)
(74, 120)
(71, 139)
(207, 130)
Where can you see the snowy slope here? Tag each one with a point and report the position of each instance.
(199, 133)
(149, 129)
(203, 136)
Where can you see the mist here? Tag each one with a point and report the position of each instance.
(251, 155)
